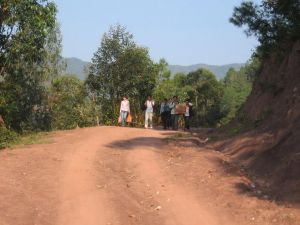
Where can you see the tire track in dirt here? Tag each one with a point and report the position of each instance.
(83, 200)
(141, 187)
(178, 206)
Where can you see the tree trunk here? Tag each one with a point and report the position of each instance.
(2, 123)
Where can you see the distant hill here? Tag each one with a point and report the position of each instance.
(219, 71)
(76, 66)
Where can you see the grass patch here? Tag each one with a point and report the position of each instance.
(234, 130)
(237, 128)
(10, 139)
(177, 136)
(240, 125)
(32, 138)
(7, 137)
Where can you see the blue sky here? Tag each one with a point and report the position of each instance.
(184, 32)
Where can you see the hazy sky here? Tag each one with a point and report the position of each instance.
(183, 32)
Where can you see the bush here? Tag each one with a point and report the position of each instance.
(6, 137)
(70, 104)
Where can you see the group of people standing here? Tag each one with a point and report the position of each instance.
(170, 110)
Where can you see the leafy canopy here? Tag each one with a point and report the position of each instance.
(120, 68)
(27, 55)
(276, 23)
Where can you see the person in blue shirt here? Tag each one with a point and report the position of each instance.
(164, 111)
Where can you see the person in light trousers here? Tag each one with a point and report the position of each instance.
(187, 114)
(149, 104)
(124, 110)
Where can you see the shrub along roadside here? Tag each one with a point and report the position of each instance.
(7, 137)
(10, 138)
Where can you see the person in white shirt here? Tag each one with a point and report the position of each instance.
(124, 110)
(188, 107)
(149, 104)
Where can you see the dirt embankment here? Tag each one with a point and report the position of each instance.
(271, 152)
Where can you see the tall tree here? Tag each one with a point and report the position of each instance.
(70, 105)
(120, 67)
(164, 73)
(25, 28)
(237, 87)
(206, 92)
(275, 23)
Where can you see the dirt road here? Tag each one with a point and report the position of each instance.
(120, 176)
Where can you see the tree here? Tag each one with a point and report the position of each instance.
(169, 88)
(275, 23)
(120, 68)
(70, 105)
(206, 92)
(164, 73)
(54, 64)
(237, 87)
(203, 90)
(25, 28)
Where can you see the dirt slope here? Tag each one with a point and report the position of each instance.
(271, 151)
(110, 175)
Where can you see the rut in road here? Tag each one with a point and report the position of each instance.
(118, 179)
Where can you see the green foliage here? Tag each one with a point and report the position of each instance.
(203, 90)
(215, 102)
(70, 104)
(164, 73)
(237, 87)
(31, 138)
(120, 68)
(206, 93)
(6, 137)
(274, 23)
(19, 96)
(171, 87)
(238, 128)
(9, 138)
(29, 56)
(242, 123)
(24, 28)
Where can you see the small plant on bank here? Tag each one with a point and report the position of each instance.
(7, 137)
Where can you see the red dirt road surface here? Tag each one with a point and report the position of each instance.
(120, 176)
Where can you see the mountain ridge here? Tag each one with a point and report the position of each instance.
(219, 70)
(77, 66)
